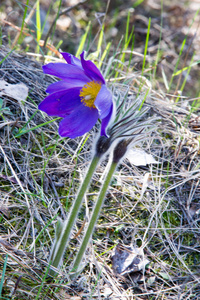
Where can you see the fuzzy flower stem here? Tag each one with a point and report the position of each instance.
(59, 247)
(118, 153)
(64, 228)
(94, 217)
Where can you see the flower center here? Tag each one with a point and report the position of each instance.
(89, 93)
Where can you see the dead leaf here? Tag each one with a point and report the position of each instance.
(5, 210)
(128, 259)
(17, 91)
(139, 157)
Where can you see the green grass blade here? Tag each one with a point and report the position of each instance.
(137, 3)
(43, 280)
(145, 96)
(160, 38)
(178, 60)
(23, 21)
(127, 37)
(146, 45)
(127, 40)
(105, 53)
(132, 47)
(126, 34)
(43, 229)
(181, 50)
(186, 68)
(100, 41)
(22, 131)
(7, 55)
(112, 64)
(38, 25)
(83, 40)
(145, 54)
(185, 79)
(3, 275)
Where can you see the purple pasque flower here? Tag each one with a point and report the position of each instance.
(80, 98)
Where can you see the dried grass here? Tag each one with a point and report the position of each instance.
(160, 214)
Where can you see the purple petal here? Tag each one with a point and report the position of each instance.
(78, 122)
(61, 85)
(91, 70)
(61, 103)
(105, 121)
(67, 72)
(103, 102)
(71, 59)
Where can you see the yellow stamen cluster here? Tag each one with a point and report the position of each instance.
(89, 93)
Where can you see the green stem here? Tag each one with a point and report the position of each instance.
(61, 242)
(94, 217)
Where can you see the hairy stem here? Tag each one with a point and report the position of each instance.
(61, 242)
(94, 217)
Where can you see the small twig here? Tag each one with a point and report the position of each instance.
(58, 199)
(80, 230)
(65, 11)
(17, 27)
(28, 18)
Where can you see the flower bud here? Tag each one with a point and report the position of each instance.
(102, 145)
(120, 150)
